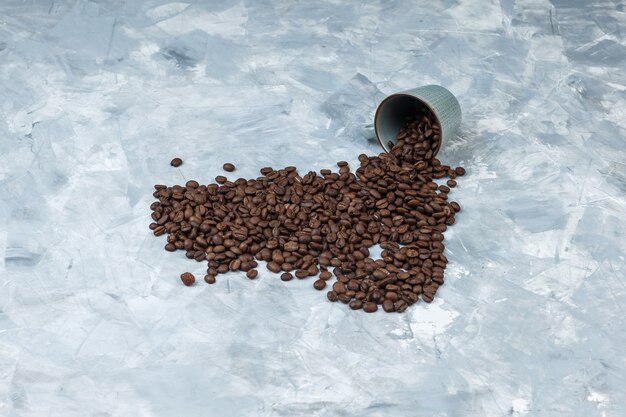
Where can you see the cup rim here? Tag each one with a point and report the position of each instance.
(422, 101)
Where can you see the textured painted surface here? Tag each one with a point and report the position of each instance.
(98, 96)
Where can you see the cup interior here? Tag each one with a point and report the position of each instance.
(391, 115)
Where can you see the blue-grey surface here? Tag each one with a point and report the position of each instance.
(98, 96)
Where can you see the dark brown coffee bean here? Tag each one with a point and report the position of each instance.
(326, 275)
(459, 171)
(286, 276)
(455, 206)
(187, 278)
(176, 162)
(342, 164)
(344, 298)
(400, 306)
(228, 167)
(273, 266)
(451, 183)
(170, 247)
(221, 179)
(252, 274)
(388, 306)
(332, 296)
(356, 304)
(370, 307)
(320, 284)
(339, 287)
(209, 279)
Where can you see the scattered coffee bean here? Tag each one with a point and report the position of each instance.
(370, 307)
(325, 275)
(228, 167)
(176, 162)
(388, 306)
(315, 222)
(187, 278)
(320, 284)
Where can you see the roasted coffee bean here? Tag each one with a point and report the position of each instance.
(320, 284)
(209, 279)
(176, 162)
(451, 183)
(187, 278)
(356, 304)
(273, 266)
(332, 296)
(370, 307)
(286, 276)
(311, 222)
(325, 275)
(228, 167)
(252, 274)
(388, 306)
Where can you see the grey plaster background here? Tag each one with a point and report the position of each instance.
(97, 96)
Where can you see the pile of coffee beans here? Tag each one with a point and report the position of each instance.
(323, 225)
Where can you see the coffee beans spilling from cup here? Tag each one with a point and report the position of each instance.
(307, 226)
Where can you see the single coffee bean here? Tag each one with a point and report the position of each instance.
(326, 275)
(451, 183)
(209, 279)
(221, 179)
(170, 247)
(356, 304)
(228, 167)
(370, 307)
(320, 284)
(302, 273)
(176, 162)
(187, 278)
(388, 306)
(459, 171)
(286, 276)
(332, 296)
(273, 266)
(252, 274)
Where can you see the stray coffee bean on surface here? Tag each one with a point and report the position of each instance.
(320, 225)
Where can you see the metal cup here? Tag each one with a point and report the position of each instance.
(393, 110)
